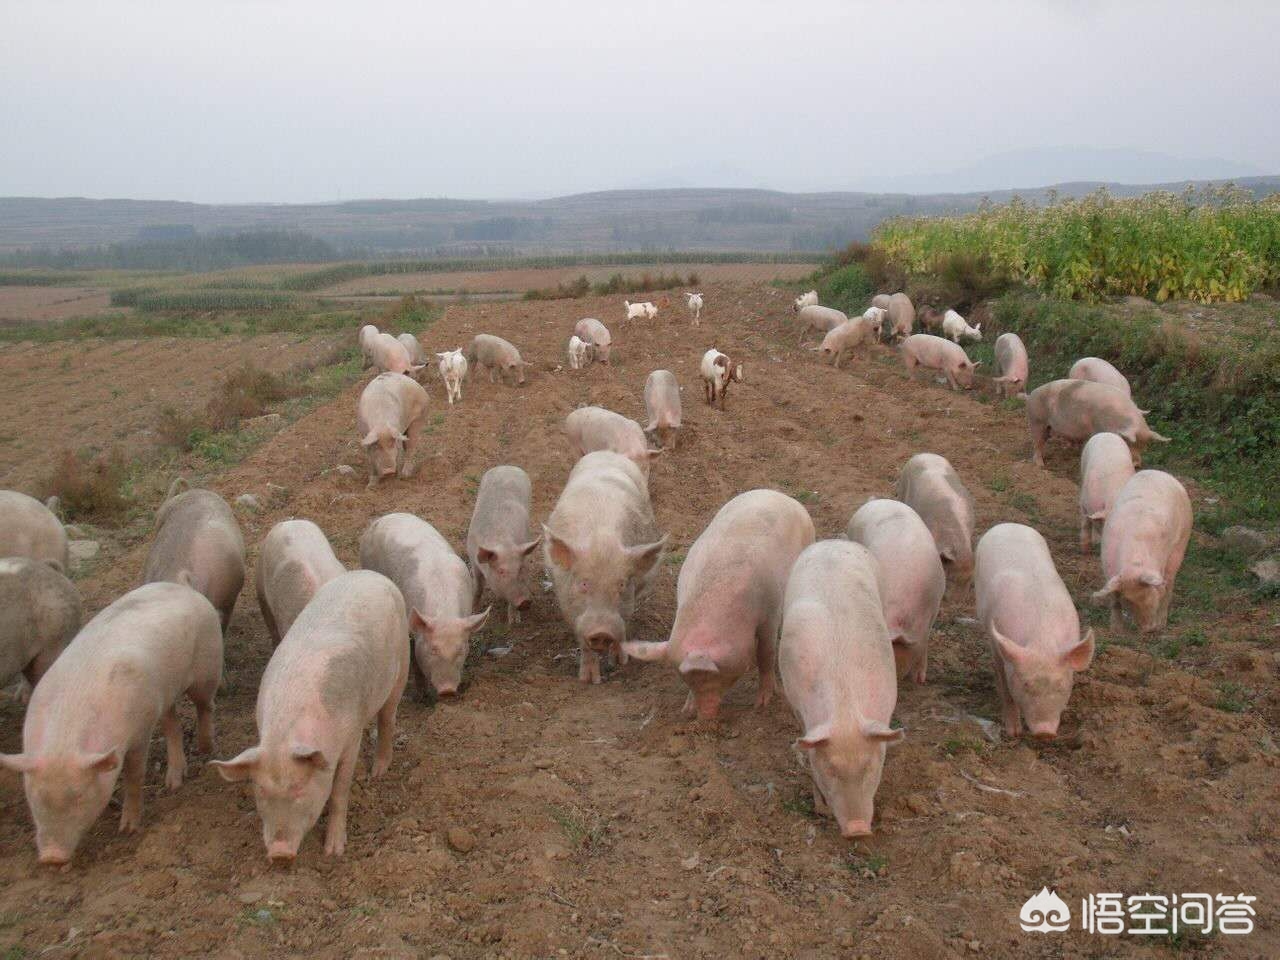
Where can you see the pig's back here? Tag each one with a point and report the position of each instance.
(760, 531)
(29, 529)
(832, 608)
(196, 528)
(502, 507)
(1014, 571)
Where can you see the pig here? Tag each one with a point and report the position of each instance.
(821, 319)
(417, 356)
(1077, 409)
(580, 353)
(930, 486)
(729, 598)
(39, 614)
(1011, 363)
(601, 548)
(662, 402)
(343, 662)
(930, 319)
(595, 428)
(30, 529)
(844, 339)
(693, 301)
(877, 317)
(935, 353)
(597, 334)
(389, 419)
(389, 355)
(882, 300)
(453, 370)
(718, 371)
(498, 540)
(367, 334)
(1105, 466)
(910, 577)
(955, 326)
(1032, 628)
(902, 317)
(1099, 371)
(438, 594)
(198, 542)
(494, 353)
(809, 299)
(837, 670)
(1144, 540)
(93, 712)
(294, 561)
(640, 311)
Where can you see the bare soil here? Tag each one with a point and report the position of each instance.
(19, 305)
(598, 822)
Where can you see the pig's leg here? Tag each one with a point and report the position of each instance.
(175, 759)
(513, 615)
(620, 657)
(689, 703)
(820, 806)
(1117, 613)
(1039, 434)
(269, 620)
(767, 658)
(1086, 533)
(1162, 611)
(135, 768)
(386, 736)
(491, 374)
(589, 666)
(920, 667)
(408, 468)
(1008, 709)
(335, 834)
(202, 695)
(419, 677)
(34, 670)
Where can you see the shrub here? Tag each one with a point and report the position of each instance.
(176, 429)
(846, 288)
(243, 394)
(89, 487)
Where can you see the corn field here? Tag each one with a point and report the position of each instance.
(1217, 245)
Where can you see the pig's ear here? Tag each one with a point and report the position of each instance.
(442, 356)
(882, 734)
(1080, 656)
(653, 454)
(238, 768)
(646, 651)
(370, 439)
(418, 622)
(644, 556)
(101, 762)
(815, 738)
(562, 555)
(976, 363)
(415, 369)
(473, 624)
(1150, 579)
(1008, 649)
(527, 548)
(698, 663)
(55, 564)
(306, 753)
(1112, 585)
(17, 762)
(485, 555)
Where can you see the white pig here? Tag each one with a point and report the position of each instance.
(93, 712)
(342, 663)
(367, 334)
(495, 354)
(579, 353)
(1144, 541)
(39, 614)
(595, 428)
(901, 317)
(821, 319)
(1105, 466)
(389, 419)
(1011, 363)
(882, 300)
(389, 355)
(930, 486)
(1032, 627)
(294, 561)
(911, 578)
(935, 353)
(453, 370)
(718, 371)
(1077, 409)
(662, 402)
(837, 670)
(847, 337)
(601, 548)
(955, 326)
(729, 598)
(498, 541)
(30, 529)
(1099, 371)
(438, 593)
(414, 346)
(597, 334)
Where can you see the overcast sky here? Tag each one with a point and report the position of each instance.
(283, 100)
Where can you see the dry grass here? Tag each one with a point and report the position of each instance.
(244, 394)
(89, 487)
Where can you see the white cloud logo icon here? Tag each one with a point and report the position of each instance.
(1044, 912)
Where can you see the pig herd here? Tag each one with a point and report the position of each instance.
(839, 621)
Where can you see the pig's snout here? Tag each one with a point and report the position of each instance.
(523, 603)
(601, 641)
(855, 828)
(52, 855)
(1044, 731)
(281, 851)
(447, 690)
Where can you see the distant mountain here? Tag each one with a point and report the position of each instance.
(1027, 169)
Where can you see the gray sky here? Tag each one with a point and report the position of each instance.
(283, 100)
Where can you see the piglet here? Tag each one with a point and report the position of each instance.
(342, 663)
(30, 529)
(1011, 362)
(579, 353)
(595, 428)
(1105, 466)
(911, 578)
(1077, 409)
(93, 712)
(729, 598)
(930, 486)
(438, 593)
(198, 542)
(1099, 371)
(662, 403)
(1144, 541)
(597, 334)
(498, 541)
(389, 418)
(1032, 627)
(935, 353)
(294, 561)
(39, 614)
(837, 670)
(493, 353)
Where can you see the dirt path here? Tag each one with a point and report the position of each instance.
(603, 823)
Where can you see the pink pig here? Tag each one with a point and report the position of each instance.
(498, 541)
(930, 486)
(595, 428)
(1143, 542)
(1099, 371)
(911, 578)
(729, 597)
(662, 402)
(937, 353)
(597, 334)
(344, 662)
(389, 419)
(30, 529)
(93, 712)
(294, 561)
(1077, 409)
(1011, 361)
(389, 355)
(1032, 627)
(841, 341)
(837, 670)
(1105, 466)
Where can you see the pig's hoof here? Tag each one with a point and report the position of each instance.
(335, 846)
(379, 768)
(130, 824)
(173, 779)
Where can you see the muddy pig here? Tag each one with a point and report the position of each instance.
(295, 561)
(498, 540)
(930, 486)
(389, 419)
(1077, 409)
(30, 529)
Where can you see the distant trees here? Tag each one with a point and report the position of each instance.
(180, 247)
